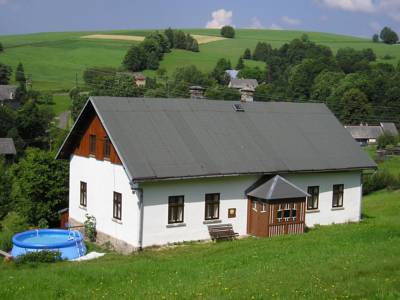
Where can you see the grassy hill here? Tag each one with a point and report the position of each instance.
(351, 261)
(55, 60)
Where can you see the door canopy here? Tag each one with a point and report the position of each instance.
(277, 188)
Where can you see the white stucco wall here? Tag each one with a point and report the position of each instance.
(157, 231)
(231, 189)
(326, 214)
(103, 178)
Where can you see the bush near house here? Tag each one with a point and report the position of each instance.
(34, 258)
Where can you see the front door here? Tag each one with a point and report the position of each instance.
(257, 218)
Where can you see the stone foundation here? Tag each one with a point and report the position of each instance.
(107, 241)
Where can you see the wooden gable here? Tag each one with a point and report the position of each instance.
(96, 128)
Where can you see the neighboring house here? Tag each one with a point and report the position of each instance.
(7, 96)
(243, 84)
(196, 92)
(140, 79)
(7, 148)
(246, 87)
(366, 134)
(389, 128)
(232, 73)
(159, 171)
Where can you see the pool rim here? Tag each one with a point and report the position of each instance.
(16, 242)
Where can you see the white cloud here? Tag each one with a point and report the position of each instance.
(323, 18)
(290, 21)
(351, 5)
(391, 8)
(375, 26)
(256, 23)
(220, 18)
(275, 27)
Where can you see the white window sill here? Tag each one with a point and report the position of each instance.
(337, 208)
(214, 221)
(176, 225)
(83, 207)
(116, 221)
(312, 211)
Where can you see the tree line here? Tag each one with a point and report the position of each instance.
(33, 185)
(149, 53)
(354, 86)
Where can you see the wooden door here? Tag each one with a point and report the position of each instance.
(257, 221)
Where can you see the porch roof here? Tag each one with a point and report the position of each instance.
(277, 188)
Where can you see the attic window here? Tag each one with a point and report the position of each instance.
(238, 107)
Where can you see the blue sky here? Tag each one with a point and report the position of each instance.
(353, 17)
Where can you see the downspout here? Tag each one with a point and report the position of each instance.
(139, 192)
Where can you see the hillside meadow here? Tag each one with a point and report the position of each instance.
(56, 60)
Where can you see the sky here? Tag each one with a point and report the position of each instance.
(351, 17)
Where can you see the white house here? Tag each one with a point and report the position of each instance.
(156, 171)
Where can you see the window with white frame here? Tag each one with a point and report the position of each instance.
(312, 200)
(263, 207)
(212, 206)
(175, 209)
(337, 199)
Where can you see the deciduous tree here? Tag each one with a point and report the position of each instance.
(389, 36)
(228, 32)
(39, 186)
(356, 108)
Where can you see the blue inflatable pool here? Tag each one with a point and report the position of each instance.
(68, 242)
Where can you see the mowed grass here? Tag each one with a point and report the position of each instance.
(390, 164)
(54, 59)
(351, 261)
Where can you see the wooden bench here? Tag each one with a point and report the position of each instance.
(6, 255)
(222, 231)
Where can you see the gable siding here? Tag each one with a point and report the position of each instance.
(96, 128)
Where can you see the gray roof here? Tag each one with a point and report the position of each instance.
(6, 91)
(243, 83)
(7, 146)
(277, 188)
(176, 138)
(365, 131)
(232, 73)
(389, 128)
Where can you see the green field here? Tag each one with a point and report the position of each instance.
(352, 261)
(55, 59)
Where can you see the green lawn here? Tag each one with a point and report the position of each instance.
(391, 164)
(54, 59)
(62, 103)
(340, 261)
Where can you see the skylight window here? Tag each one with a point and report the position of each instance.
(238, 107)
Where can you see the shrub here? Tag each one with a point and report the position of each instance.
(43, 223)
(44, 256)
(12, 224)
(228, 32)
(90, 227)
(379, 180)
(386, 139)
(387, 57)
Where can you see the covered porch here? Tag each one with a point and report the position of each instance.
(276, 207)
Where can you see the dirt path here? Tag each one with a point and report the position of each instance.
(201, 39)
